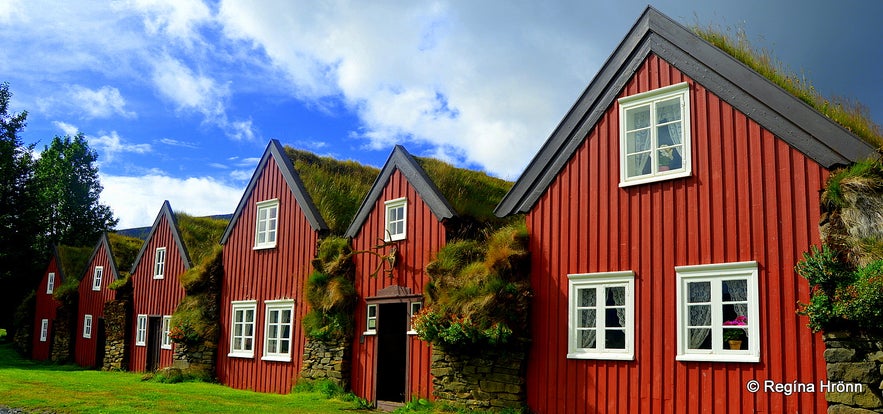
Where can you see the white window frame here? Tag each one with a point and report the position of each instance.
(389, 207)
(599, 282)
(272, 224)
(413, 309)
(44, 330)
(87, 326)
(273, 306)
(159, 263)
(371, 319)
(716, 274)
(166, 340)
(244, 306)
(650, 98)
(50, 283)
(97, 275)
(141, 331)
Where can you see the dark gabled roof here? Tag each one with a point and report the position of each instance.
(401, 160)
(275, 150)
(165, 211)
(773, 108)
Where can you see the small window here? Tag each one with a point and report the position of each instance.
(87, 326)
(141, 331)
(159, 266)
(265, 228)
(242, 334)
(96, 277)
(655, 135)
(50, 283)
(414, 310)
(166, 327)
(396, 223)
(601, 316)
(371, 320)
(277, 340)
(44, 330)
(717, 313)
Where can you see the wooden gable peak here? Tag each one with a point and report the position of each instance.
(165, 211)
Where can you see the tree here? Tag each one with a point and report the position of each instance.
(18, 215)
(68, 190)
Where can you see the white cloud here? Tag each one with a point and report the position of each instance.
(136, 200)
(10, 10)
(175, 18)
(176, 143)
(110, 144)
(101, 103)
(65, 127)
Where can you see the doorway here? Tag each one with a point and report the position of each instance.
(154, 329)
(100, 343)
(392, 352)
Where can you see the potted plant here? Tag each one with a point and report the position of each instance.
(735, 336)
(665, 157)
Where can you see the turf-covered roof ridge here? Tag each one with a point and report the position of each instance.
(71, 261)
(448, 191)
(200, 235)
(124, 250)
(336, 187)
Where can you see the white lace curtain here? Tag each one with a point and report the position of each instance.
(738, 292)
(669, 113)
(700, 315)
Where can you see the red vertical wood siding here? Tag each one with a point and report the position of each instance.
(751, 197)
(156, 297)
(267, 274)
(425, 235)
(92, 302)
(46, 307)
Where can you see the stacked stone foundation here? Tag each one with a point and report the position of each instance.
(116, 316)
(327, 360)
(856, 360)
(489, 380)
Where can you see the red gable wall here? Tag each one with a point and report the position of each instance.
(425, 235)
(751, 197)
(261, 275)
(92, 302)
(45, 309)
(156, 297)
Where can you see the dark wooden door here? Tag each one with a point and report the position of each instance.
(392, 351)
(154, 344)
(100, 342)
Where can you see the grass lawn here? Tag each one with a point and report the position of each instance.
(40, 386)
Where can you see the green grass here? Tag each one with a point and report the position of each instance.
(38, 386)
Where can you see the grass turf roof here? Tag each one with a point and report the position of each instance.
(124, 249)
(73, 260)
(336, 187)
(851, 115)
(200, 235)
(471, 193)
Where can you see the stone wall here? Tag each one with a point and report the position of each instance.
(327, 360)
(491, 379)
(196, 360)
(854, 359)
(63, 334)
(116, 317)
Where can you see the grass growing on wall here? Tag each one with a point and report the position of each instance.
(330, 291)
(849, 114)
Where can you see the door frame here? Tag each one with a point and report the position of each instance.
(388, 295)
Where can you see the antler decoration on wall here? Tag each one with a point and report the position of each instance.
(386, 260)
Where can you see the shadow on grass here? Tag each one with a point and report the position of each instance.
(9, 358)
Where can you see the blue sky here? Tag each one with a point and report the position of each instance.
(179, 97)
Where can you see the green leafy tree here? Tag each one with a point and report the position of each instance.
(18, 215)
(68, 191)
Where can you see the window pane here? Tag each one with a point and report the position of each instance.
(614, 339)
(372, 324)
(237, 344)
(616, 296)
(586, 297)
(274, 316)
(638, 164)
(586, 318)
(271, 345)
(735, 290)
(283, 347)
(286, 316)
(286, 331)
(699, 338)
(700, 315)
(587, 338)
(249, 315)
(699, 292)
(668, 110)
(249, 329)
(637, 118)
(637, 141)
(247, 345)
(615, 318)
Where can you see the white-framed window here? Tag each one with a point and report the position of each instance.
(413, 309)
(141, 331)
(396, 219)
(371, 320)
(601, 315)
(87, 326)
(166, 327)
(654, 135)
(97, 274)
(266, 223)
(278, 330)
(242, 333)
(159, 264)
(44, 330)
(717, 303)
(50, 283)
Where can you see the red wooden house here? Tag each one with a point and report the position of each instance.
(111, 253)
(268, 246)
(62, 264)
(666, 212)
(157, 290)
(406, 211)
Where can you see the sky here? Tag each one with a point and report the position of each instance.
(180, 97)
